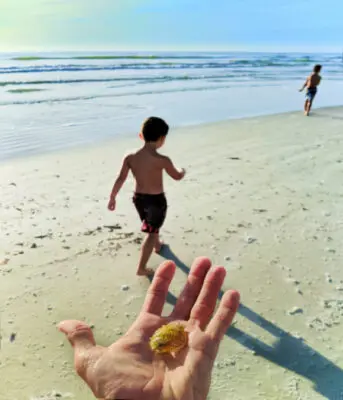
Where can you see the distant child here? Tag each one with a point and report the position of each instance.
(147, 167)
(311, 84)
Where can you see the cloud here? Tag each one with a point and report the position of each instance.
(24, 22)
(114, 24)
(43, 22)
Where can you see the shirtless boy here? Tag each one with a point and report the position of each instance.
(147, 167)
(311, 84)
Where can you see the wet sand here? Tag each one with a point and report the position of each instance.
(262, 196)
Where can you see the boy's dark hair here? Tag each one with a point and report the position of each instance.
(154, 128)
(317, 68)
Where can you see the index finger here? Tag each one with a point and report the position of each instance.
(158, 290)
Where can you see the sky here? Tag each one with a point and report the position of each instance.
(273, 25)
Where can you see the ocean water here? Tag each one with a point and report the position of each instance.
(55, 101)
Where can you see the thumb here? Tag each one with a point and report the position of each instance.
(82, 340)
(86, 353)
(78, 333)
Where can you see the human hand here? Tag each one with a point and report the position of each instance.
(111, 204)
(183, 173)
(128, 369)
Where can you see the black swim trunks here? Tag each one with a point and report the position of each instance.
(152, 210)
(311, 93)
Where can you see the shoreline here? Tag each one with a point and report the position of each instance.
(174, 130)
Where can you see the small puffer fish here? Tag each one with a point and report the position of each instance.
(170, 338)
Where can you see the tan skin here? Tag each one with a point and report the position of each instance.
(312, 81)
(130, 370)
(147, 167)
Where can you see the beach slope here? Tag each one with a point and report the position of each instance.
(262, 196)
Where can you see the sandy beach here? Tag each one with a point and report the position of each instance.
(262, 196)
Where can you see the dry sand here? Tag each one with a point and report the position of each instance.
(263, 197)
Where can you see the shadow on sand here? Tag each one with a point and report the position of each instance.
(287, 352)
(325, 115)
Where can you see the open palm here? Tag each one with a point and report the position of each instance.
(128, 369)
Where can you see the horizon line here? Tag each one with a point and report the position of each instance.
(166, 50)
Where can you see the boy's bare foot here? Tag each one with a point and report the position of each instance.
(158, 246)
(146, 272)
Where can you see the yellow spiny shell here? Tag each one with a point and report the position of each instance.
(170, 338)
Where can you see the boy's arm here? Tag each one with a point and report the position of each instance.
(304, 85)
(171, 170)
(124, 171)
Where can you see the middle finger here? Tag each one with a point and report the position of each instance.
(191, 291)
(203, 308)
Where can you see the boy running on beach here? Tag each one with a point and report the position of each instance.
(147, 167)
(311, 84)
